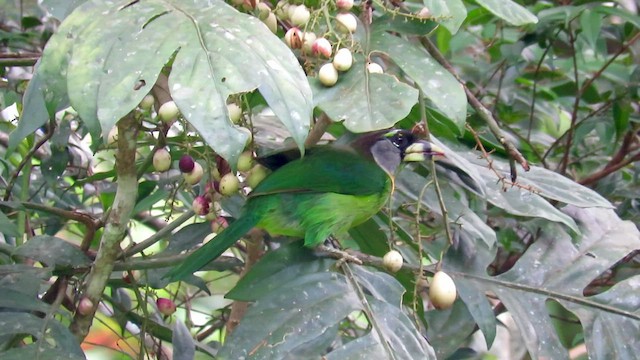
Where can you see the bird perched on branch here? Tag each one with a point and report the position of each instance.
(327, 192)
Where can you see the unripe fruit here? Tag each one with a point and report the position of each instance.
(147, 102)
(343, 60)
(245, 161)
(272, 22)
(186, 164)
(442, 291)
(300, 15)
(263, 11)
(424, 13)
(229, 184)
(282, 11)
(112, 138)
(344, 5)
(308, 38)
(328, 75)
(195, 175)
(165, 306)
(219, 224)
(168, 111)
(322, 47)
(85, 306)
(256, 175)
(293, 38)
(374, 68)
(235, 112)
(290, 10)
(200, 205)
(392, 261)
(347, 22)
(162, 160)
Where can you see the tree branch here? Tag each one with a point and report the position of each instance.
(116, 225)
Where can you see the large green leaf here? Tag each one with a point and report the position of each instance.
(558, 267)
(299, 303)
(54, 339)
(437, 84)
(110, 55)
(509, 11)
(364, 101)
(53, 251)
(449, 13)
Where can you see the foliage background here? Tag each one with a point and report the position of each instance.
(544, 258)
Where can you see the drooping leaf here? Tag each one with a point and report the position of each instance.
(558, 267)
(364, 101)
(437, 84)
(219, 51)
(53, 251)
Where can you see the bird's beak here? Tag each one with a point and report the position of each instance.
(421, 150)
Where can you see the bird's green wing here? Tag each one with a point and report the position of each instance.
(326, 169)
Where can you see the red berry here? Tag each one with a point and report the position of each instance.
(166, 306)
(200, 205)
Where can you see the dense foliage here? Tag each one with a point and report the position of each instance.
(129, 132)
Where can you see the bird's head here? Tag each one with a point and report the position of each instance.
(393, 147)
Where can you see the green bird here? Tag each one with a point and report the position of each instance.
(327, 192)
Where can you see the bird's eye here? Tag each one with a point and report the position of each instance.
(400, 141)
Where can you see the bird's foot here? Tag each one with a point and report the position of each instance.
(341, 255)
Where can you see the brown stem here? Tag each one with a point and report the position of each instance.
(318, 130)
(482, 111)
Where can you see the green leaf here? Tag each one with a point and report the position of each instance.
(558, 267)
(7, 226)
(591, 25)
(61, 8)
(218, 52)
(364, 101)
(37, 98)
(437, 84)
(509, 11)
(449, 13)
(53, 251)
(608, 334)
(54, 339)
(298, 309)
(449, 328)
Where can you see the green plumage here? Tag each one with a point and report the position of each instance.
(329, 191)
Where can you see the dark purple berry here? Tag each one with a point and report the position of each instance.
(186, 164)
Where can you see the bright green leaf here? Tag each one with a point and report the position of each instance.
(437, 84)
(509, 11)
(449, 13)
(365, 102)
